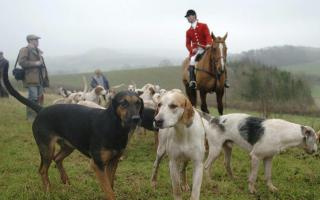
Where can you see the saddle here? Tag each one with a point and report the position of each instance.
(199, 56)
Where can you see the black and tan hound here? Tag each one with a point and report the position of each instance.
(101, 135)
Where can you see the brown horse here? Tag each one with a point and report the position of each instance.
(210, 74)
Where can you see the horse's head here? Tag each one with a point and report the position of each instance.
(219, 51)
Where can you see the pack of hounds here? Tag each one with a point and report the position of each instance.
(99, 124)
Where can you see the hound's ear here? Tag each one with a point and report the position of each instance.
(141, 108)
(98, 90)
(305, 131)
(213, 36)
(225, 36)
(114, 105)
(188, 113)
(152, 91)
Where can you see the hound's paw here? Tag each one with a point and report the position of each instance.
(185, 188)
(252, 189)
(272, 188)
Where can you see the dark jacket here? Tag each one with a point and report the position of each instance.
(94, 82)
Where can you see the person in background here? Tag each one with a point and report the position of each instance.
(99, 79)
(36, 75)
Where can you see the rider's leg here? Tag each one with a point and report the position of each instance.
(192, 76)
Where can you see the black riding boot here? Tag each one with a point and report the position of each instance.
(192, 83)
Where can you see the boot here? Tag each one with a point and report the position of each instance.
(226, 84)
(192, 83)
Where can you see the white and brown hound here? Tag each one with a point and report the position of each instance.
(181, 136)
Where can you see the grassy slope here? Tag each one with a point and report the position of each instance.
(167, 77)
(296, 174)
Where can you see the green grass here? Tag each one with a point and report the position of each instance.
(296, 174)
(167, 77)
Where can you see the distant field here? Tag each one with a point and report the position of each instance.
(306, 68)
(167, 77)
(296, 174)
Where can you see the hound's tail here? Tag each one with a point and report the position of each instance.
(16, 94)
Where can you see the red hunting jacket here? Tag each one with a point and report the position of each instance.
(199, 35)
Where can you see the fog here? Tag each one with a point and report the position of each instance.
(69, 27)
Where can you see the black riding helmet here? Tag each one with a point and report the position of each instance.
(190, 12)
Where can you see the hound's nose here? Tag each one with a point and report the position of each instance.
(135, 118)
(159, 123)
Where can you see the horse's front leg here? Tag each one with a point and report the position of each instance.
(203, 97)
(219, 95)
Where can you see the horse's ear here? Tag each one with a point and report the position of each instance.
(225, 36)
(213, 36)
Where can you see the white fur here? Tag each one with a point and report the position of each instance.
(278, 136)
(222, 56)
(182, 143)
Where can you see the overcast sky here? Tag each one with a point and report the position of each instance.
(156, 27)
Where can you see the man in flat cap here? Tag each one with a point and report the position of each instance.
(197, 39)
(36, 75)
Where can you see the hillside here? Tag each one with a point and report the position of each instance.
(287, 55)
(106, 59)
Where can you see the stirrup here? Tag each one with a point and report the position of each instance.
(226, 85)
(193, 84)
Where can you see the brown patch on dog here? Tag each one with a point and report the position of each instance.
(184, 103)
(152, 91)
(122, 111)
(98, 90)
(104, 178)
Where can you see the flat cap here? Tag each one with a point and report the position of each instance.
(32, 37)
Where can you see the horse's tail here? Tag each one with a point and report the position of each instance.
(16, 94)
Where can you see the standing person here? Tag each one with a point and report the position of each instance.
(36, 75)
(99, 79)
(198, 39)
(3, 92)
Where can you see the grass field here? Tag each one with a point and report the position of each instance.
(296, 174)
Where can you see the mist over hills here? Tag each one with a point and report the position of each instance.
(281, 55)
(107, 59)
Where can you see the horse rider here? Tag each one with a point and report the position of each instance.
(198, 39)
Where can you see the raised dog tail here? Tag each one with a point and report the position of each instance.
(16, 94)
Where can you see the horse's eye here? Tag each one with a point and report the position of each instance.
(159, 105)
(172, 106)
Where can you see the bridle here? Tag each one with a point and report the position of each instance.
(213, 61)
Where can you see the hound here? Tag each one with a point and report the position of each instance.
(182, 136)
(101, 135)
(94, 94)
(262, 138)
